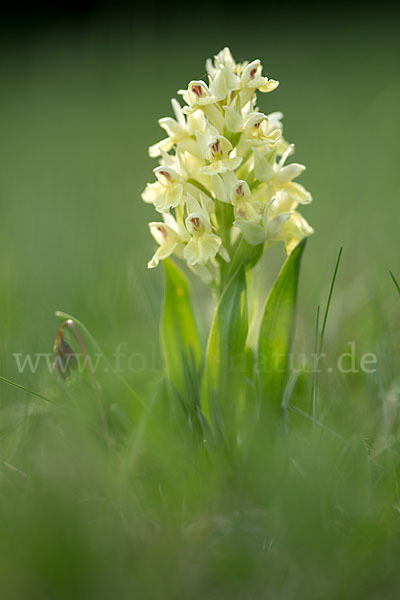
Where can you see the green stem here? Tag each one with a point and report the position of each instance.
(224, 214)
(199, 186)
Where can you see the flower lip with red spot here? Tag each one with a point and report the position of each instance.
(216, 147)
(163, 231)
(196, 223)
(166, 175)
(251, 71)
(197, 89)
(198, 95)
(255, 121)
(240, 190)
(165, 234)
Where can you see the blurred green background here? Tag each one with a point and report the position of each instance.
(79, 107)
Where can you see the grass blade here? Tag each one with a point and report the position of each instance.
(318, 350)
(316, 361)
(25, 389)
(328, 304)
(395, 281)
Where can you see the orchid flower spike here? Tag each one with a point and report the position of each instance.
(223, 177)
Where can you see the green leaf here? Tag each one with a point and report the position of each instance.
(179, 335)
(226, 358)
(276, 331)
(244, 254)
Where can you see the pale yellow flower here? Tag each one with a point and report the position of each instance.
(268, 230)
(246, 206)
(279, 176)
(224, 58)
(252, 79)
(294, 230)
(170, 236)
(165, 193)
(258, 132)
(216, 150)
(203, 244)
(181, 129)
(199, 96)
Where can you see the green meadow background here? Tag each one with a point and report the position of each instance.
(78, 108)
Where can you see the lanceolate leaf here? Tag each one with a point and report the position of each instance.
(246, 255)
(226, 359)
(277, 329)
(179, 335)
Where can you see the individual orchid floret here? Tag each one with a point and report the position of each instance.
(224, 58)
(165, 193)
(268, 229)
(280, 176)
(258, 131)
(240, 191)
(222, 74)
(179, 130)
(220, 160)
(295, 230)
(252, 79)
(275, 122)
(199, 96)
(245, 205)
(170, 237)
(203, 244)
(224, 82)
(217, 152)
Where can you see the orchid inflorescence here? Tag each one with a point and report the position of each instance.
(222, 177)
